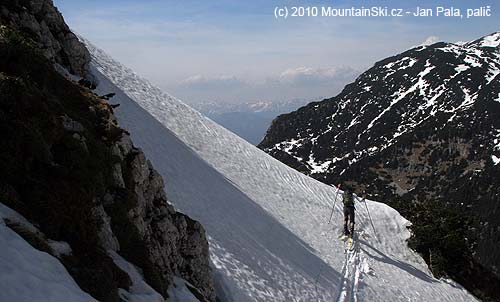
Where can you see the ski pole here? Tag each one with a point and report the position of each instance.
(334, 201)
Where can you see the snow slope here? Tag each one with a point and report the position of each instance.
(267, 224)
(28, 274)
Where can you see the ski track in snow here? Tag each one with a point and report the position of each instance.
(267, 223)
(347, 291)
(351, 271)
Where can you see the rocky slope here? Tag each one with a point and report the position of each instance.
(417, 127)
(41, 21)
(72, 171)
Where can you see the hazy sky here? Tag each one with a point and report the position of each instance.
(238, 51)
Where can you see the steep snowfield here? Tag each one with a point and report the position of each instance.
(27, 274)
(267, 224)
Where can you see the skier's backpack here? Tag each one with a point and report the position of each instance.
(348, 199)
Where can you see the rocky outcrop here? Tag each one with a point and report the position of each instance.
(71, 170)
(42, 22)
(174, 244)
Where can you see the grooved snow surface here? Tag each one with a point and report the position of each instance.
(267, 224)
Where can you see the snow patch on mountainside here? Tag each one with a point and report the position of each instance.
(139, 291)
(490, 41)
(60, 248)
(28, 274)
(267, 224)
(318, 167)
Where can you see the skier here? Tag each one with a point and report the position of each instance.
(348, 199)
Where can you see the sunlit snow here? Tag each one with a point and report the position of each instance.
(491, 40)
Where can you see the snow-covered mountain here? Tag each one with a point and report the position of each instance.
(220, 107)
(444, 86)
(420, 126)
(267, 224)
(249, 120)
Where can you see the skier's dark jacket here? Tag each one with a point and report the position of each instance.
(348, 199)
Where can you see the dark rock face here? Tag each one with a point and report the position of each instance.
(422, 125)
(41, 20)
(70, 169)
(173, 244)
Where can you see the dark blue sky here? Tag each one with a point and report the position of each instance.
(237, 50)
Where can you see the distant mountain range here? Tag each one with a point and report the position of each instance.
(416, 128)
(249, 120)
